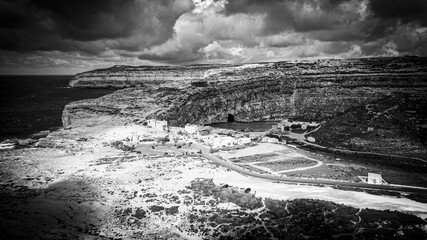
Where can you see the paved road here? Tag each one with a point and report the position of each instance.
(238, 169)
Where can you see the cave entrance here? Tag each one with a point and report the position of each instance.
(230, 118)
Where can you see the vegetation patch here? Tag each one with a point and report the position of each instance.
(294, 219)
(287, 164)
(256, 158)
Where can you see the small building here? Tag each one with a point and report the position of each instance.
(281, 127)
(191, 129)
(223, 142)
(311, 139)
(373, 178)
(242, 141)
(158, 124)
(269, 140)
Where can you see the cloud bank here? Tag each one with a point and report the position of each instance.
(83, 34)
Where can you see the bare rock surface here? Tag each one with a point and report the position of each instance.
(311, 90)
(320, 90)
(79, 185)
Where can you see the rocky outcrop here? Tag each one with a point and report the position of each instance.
(125, 105)
(311, 90)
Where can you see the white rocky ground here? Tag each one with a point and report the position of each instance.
(76, 184)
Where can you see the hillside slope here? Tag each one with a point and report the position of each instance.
(396, 124)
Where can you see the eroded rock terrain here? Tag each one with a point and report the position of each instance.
(109, 175)
(79, 184)
(310, 90)
(314, 90)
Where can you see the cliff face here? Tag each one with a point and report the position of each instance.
(132, 76)
(311, 90)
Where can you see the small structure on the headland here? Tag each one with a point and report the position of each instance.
(158, 124)
(373, 178)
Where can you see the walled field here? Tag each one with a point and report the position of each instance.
(288, 164)
(256, 158)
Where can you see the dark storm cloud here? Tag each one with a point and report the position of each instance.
(90, 20)
(403, 10)
(69, 25)
(257, 30)
(11, 15)
(206, 31)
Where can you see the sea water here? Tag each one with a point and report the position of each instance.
(30, 104)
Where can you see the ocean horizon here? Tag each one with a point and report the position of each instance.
(33, 103)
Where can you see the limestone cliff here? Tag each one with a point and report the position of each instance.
(312, 90)
(133, 76)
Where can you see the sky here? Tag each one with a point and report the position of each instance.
(71, 36)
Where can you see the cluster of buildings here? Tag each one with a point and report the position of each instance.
(214, 140)
(221, 141)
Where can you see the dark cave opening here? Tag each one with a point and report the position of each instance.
(230, 118)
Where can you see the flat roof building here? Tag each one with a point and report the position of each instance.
(373, 178)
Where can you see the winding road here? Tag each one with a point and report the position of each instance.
(231, 166)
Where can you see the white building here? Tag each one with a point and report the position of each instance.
(225, 141)
(242, 141)
(373, 178)
(219, 141)
(269, 140)
(158, 124)
(281, 127)
(191, 129)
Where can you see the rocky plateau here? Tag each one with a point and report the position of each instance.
(309, 90)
